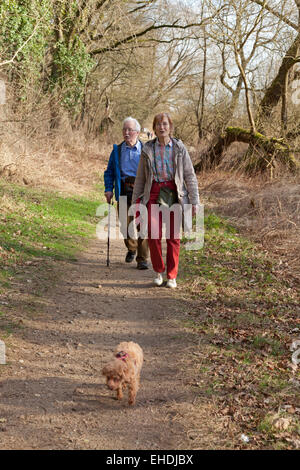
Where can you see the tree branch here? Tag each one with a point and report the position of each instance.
(283, 18)
(141, 7)
(153, 27)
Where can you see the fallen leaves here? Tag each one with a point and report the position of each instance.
(282, 423)
(246, 371)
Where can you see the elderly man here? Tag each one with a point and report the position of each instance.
(119, 177)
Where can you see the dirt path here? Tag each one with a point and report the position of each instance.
(52, 394)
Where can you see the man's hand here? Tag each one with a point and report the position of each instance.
(109, 196)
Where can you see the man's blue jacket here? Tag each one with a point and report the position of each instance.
(112, 174)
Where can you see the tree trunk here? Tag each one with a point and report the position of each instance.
(264, 151)
(284, 108)
(202, 92)
(277, 87)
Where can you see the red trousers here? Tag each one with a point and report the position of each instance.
(173, 240)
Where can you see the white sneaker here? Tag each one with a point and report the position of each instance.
(171, 283)
(158, 280)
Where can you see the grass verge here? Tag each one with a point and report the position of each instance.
(38, 227)
(34, 223)
(246, 317)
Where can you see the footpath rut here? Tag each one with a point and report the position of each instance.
(52, 394)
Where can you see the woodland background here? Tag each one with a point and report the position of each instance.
(84, 65)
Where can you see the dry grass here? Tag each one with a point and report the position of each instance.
(67, 162)
(8, 205)
(266, 211)
(33, 153)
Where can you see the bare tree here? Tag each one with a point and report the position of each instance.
(278, 87)
(242, 32)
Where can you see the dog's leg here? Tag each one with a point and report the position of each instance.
(132, 393)
(120, 393)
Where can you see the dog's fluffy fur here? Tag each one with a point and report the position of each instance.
(125, 369)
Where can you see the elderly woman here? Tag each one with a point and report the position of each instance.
(164, 163)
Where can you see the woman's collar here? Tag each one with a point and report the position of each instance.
(170, 143)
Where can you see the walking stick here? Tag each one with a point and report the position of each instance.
(108, 234)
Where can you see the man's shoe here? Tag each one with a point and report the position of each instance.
(142, 265)
(171, 283)
(130, 257)
(158, 280)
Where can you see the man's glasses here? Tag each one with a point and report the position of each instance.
(130, 130)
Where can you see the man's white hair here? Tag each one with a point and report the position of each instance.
(137, 124)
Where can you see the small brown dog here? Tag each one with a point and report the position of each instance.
(125, 370)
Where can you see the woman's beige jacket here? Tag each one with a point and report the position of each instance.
(185, 178)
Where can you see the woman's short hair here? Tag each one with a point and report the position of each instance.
(159, 117)
(137, 124)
